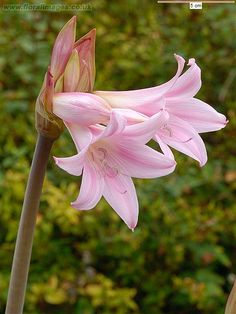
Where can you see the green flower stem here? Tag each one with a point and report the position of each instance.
(23, 249)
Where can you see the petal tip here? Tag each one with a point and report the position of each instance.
(132, 225)
(79, 206)
(76, 205)
(72, 22)
(73, 204)
(56, 160)
(93, 31)
(179, 58)
(202, 163)
(191, 61)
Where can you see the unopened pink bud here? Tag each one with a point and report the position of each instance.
(63, 47)
(85, 47)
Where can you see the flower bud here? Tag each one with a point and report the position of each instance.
(62, 48)
(85, 47)
(72, 73)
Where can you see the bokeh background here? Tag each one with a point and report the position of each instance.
(182, 257)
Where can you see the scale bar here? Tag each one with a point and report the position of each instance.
(187, 1)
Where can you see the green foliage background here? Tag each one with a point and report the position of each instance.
(181, 259)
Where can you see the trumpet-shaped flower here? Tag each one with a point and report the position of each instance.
(111, 129)
(188, 115)
(109, 157)
(81, 108)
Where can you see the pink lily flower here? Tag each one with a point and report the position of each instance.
(188, 116)
(109, 157)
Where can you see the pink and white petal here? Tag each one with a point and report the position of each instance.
(199, 114)
(120, 193)
(147, 101)
(82, 136)
(81, 108)
(115, 126)
(165, 148)
(131, 116)
(91, 188)
(96, 131)
(144, 131)
(73, 165)
(62, 48)
(183, 137)
(188, 84)
(139, 161)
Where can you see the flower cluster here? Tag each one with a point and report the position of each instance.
(111, 129)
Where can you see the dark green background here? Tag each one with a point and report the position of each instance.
(181, 258)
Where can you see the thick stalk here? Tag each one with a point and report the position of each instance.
(231, 302)
(23, 248)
